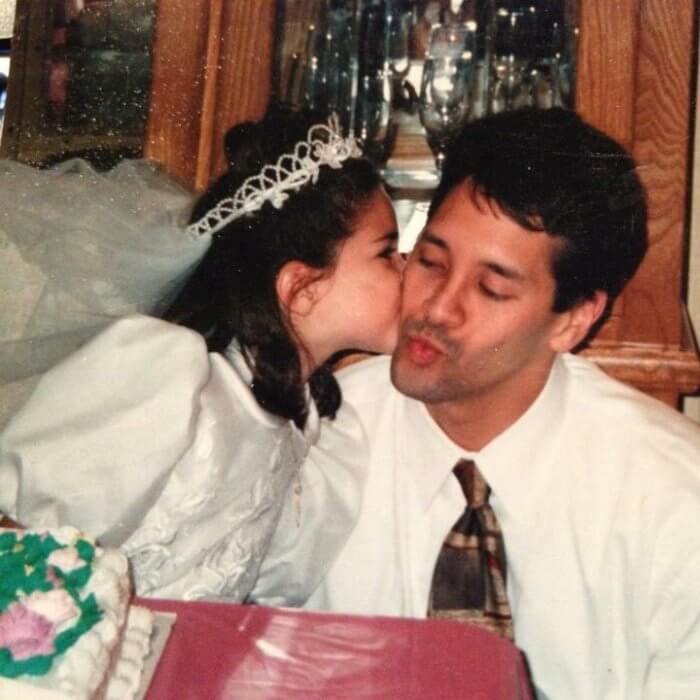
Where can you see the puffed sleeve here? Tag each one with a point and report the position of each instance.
(102, 430)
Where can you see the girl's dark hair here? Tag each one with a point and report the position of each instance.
(232, 293)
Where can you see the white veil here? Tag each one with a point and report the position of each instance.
(78, 249)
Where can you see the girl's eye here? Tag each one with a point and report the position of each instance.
(392, 258)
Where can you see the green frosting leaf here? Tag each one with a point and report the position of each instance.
(23, 571)
(36, 666)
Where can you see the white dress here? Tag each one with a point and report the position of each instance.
(148, 442)
(141, 437)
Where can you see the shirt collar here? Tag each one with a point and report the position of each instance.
(517, 461)
(428, 454)
(511, 459)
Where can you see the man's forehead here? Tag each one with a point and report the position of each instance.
(465, 198)
(467, 193)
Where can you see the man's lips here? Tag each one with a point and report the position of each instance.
(421, 350)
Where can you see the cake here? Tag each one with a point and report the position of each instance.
(67, 629)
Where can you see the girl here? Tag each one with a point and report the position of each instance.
(182, 443)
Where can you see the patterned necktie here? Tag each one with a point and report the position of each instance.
(469, 582)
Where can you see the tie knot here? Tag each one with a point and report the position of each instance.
(475, 488)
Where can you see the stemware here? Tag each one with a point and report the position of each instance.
(329, 64)
(445, 100)
(447, 85)
(373, 125)
(398, 21)
(512, 81)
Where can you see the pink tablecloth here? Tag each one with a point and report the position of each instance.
(219, 651)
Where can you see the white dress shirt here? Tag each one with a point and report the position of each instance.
(597, 490)
(146, 441)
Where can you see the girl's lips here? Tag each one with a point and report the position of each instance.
(422, 351)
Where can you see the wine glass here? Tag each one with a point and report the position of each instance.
(373, 125)
(397, 37)
(327, 80)
(445, 99)
(513, 53)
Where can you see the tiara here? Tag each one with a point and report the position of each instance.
(324, 145)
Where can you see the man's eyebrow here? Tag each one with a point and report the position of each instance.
(507, 272)
(428, 237)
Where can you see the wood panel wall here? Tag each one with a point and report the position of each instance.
(212, 69)
(634, 82)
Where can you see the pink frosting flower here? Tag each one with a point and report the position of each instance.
(25, 633)
(56, 606)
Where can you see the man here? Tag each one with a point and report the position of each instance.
(537, 224)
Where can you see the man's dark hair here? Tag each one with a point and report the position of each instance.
(232, 294)
(550, 171)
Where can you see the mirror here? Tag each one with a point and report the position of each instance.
(80, 80)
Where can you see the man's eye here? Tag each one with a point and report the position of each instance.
(491, 294)
(389, 252)
(426, 262)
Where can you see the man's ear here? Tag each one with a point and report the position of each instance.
(295, 287)
(574, 325)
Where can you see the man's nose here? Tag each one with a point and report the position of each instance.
(446, 306)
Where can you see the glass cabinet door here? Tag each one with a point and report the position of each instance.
(80, 80)
(403, 75)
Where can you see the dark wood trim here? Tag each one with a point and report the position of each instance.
(664, 371)
(178, 68)
(663, 120)
(25, 115)
(634, 82)
(212, 67)
(649, 367)
(244, 78)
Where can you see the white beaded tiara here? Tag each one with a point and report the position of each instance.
(325, 145)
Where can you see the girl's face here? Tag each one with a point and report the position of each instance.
(356, 305)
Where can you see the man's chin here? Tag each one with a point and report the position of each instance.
(416, 381)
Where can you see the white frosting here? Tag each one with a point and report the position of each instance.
(66, 559)
(110, 655)
(125, 679)
(56, 606)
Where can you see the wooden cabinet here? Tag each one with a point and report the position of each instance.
(213, 66)
(212, 69)
(635, 82)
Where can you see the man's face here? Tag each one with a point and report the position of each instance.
(476, 318)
